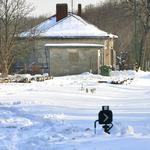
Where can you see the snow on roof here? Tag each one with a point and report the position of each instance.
(69, 27)
(74, 45)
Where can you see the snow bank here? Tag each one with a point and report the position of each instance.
(60, 114)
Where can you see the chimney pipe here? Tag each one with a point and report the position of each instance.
(79, 10)
(61, 11)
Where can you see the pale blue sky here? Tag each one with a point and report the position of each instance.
(49, 6)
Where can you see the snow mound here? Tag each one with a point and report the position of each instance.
(119, 129)
(146, 77)
(85, 73)
(127, 130)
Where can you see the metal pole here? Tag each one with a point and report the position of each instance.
(135, 34)
(72, 6)
(95, 126)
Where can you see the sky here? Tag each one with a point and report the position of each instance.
(48, 7)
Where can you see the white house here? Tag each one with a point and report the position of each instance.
(70, 45)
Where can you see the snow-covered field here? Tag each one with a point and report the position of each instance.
(59, 114)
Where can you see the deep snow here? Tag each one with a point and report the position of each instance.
(58, 114)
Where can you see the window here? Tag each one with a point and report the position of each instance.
(74, 57)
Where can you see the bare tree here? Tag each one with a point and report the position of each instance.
(13, 21)
(143, 20)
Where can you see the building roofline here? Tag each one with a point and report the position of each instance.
(73, 45)
(74, 37)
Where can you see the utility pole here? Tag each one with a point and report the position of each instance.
(0, 26)
(136, 64)
(72, 6)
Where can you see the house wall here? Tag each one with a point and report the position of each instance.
(41, 42)
(40, 56)
(68, 61)
(107, 53)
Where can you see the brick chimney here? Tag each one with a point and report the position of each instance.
(79, 10)
(61, 11)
